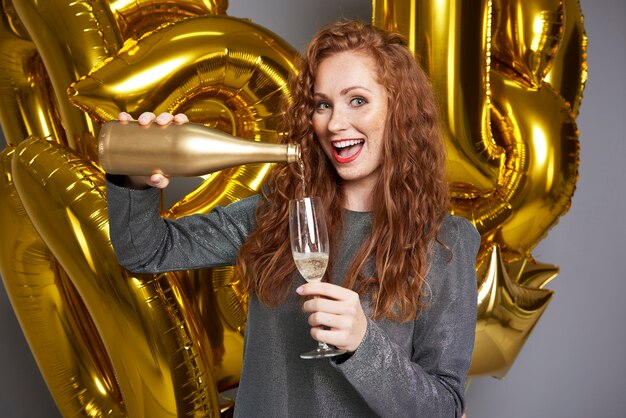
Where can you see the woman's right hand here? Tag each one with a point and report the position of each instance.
(158, 180)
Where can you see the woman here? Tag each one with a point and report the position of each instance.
(400, 295)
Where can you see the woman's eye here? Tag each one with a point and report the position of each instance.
(322, 106)
(358, 101)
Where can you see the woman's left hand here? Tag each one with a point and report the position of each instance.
(337, 308)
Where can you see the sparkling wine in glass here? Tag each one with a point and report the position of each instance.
(310, 247)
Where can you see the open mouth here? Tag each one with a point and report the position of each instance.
(347, 150)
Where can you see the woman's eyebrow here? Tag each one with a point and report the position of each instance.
(344, 91)
(349, 89)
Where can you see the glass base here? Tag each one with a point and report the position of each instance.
(322, 351)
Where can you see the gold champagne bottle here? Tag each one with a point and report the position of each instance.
(186, 150)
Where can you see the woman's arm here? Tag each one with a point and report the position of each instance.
(146, 243)
(430, 381)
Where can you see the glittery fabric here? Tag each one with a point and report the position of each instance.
(412, 369)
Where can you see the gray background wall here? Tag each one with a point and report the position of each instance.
(573, 364)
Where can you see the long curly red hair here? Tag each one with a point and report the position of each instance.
(412, 186)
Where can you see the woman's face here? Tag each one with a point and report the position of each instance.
(350, 116)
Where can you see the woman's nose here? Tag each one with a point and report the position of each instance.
(338, 120)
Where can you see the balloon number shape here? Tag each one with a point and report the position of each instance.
(510, 76)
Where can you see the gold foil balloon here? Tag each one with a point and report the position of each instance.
(234, 83)
(26, 98)
(236, 78)
(54, 320)
(70, 38)
(508, 310)
(525, 38)
(568, 70)
(145, 334)
(182, 332)
(510, 76)
(138, 17)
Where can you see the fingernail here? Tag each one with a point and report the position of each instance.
(300, 290)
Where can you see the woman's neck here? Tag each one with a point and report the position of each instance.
(358, 199)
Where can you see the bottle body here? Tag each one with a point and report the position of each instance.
(183, 150)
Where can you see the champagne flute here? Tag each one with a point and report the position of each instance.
(310, 248)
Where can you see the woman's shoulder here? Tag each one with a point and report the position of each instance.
(246, 202)
(454, 258)
(457, 230)
(244, 208)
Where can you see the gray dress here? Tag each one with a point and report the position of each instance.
(412, 369)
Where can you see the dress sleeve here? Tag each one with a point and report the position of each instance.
(429, 382)
(146, 243)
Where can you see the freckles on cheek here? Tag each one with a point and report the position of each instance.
(317, 126)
